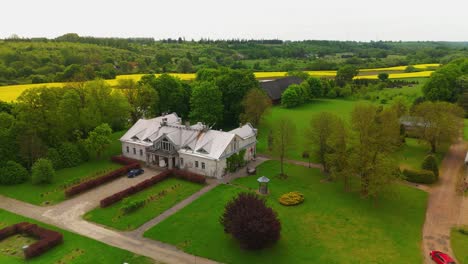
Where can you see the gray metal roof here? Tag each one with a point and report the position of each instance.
(263, 179)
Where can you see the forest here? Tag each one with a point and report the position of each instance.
(74, 58)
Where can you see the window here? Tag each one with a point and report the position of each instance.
(203, 165)
(196, 164)
(181, 162)
(128, 149)
(141, 152)
(134, 151)
(165, 145)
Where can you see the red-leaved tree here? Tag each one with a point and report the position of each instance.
(251, 222)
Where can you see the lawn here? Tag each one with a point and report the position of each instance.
(54, 193)
(459, 243)
(413, 152)
(75, 248)
(175, 191)
(301, 117)
(331, 226)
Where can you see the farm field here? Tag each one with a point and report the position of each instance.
(11, 92)
(47, 194)
(324, 229)
(459, 244)
(75, 248)
(175, 190)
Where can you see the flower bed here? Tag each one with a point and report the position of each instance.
(291, 198)
(47, 238)
(92, 183)
(181, 174)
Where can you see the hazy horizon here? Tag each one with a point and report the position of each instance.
(361, 20)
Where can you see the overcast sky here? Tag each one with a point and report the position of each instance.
(287, 19)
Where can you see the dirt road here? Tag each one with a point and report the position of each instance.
(443, 209)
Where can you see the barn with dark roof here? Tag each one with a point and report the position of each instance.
(275, 88)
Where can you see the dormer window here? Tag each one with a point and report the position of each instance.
(187, 148)
(201, 150)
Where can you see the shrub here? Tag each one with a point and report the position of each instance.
(131, 206)
(54, 156)
(251, 222)
(290, 98)
(419, 176)
(13, 173)
(189, 176)
(291, 198)
(42, 171)
(430, 164)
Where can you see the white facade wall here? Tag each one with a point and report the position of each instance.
(134, 151)
(213, 168)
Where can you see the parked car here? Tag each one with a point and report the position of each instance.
(441, 258)
(135, 172)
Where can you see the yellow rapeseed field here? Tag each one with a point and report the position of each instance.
(11, 92)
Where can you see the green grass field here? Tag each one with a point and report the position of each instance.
(176, 190)
(331, 226)
(74, 250)
(301, 117)
(413, 153)
(54, 192)
(459, 243)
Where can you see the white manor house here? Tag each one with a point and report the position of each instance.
(166, 142)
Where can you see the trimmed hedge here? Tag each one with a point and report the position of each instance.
(131, 206)
(92, 183)
(181, 174)
(419, 176)
(430, 163)
(123, 160)
(47, 238)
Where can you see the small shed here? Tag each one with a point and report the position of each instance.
(263, 185)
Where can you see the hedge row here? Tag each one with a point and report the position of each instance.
(92, 183)
(419, 176)
(181, 174)
(123, 160)
(134, 189)
(47, 238)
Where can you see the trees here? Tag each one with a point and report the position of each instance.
(316, 88)
(283, 140)
(248, 219)
(98, 140)
(320, 134)
(400, 105)
(438, 122)
(377, 134)
(255, 103)
(13, 173)
(42, 171)
(430, 163)
(206, 103)
(383, 76)
(346, 74)
(290, 98)
(443, 85)
(143, 99)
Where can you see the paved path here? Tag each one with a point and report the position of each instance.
(443, 209)
(68, 215)
(142, 229)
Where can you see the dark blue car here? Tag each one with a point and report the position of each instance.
(135, 172)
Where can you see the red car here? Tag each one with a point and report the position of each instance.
(441, 258)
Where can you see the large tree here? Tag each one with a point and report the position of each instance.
(320, 135)
(98, 140)
(345, 74)
(438, 122)
(206, 103)
(284, 133)
(256, 103)
(377, 134)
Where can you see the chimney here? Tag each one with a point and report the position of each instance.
(187, 124)
(240, 124)
(164, 122)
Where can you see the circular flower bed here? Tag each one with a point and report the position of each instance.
(291, 198)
